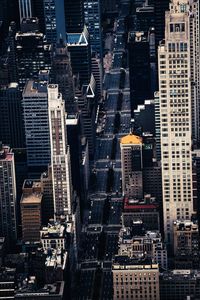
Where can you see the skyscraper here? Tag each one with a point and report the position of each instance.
(176, 99)
(139, 66)
(12, 127)
(8, 224)
(33, 55)
(54, 20)
(25, 9)
(92, 13)
(74, 16)
(60, 154)
(80, 53)
(62, 74)
(36, 121)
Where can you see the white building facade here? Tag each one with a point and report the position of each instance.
(60, 154)
(177, 99)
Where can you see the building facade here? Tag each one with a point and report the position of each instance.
(131, 160)
(135, 279)
(31, 210)
(92, 14)
(54, 20)
(60, 154)
(36, 122)
(8, 222)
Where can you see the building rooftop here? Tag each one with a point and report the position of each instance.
(131, 139)
(148, 203)
(5, 153)
(30, 290)
(180, 275)
(186, 225)
(125, 262)
(54, 230)
(34, 88)
(76, 39)
(34, 198)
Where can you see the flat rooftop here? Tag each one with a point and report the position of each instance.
(34, 198)
(76, 39)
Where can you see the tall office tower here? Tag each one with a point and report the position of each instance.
(60, 154)
(131, 160)
(31, 210)
(36, 122)
(176, 100)
(11, 116)
(33, 54)
(25, 9)
(139, 68)
(62, 75)
(74, 16)
(8, 224)
(54, 20)
(92, 13)
(80, 53)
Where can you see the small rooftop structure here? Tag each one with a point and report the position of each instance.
(131, 139)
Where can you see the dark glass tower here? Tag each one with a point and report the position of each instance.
(74, 16)
(160, 7)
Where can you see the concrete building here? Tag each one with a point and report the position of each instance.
(135, 279)
(36, 122)
(54, 15)
(53, 236)
(186, 245)
(8, 222)
(31, 210)
(60, 153)
(177, 100)
(131, 160)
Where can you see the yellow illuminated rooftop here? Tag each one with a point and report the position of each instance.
(131, 139)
